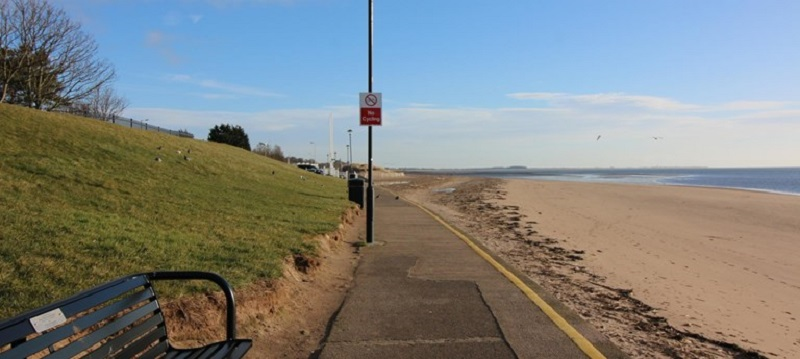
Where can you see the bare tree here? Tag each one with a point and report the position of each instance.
(105, 104)
(262, 149)
(275, 152)
(9, 58)
(55, 62)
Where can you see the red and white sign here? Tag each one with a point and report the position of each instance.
(370, 103)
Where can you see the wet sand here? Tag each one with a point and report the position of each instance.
(664, 271)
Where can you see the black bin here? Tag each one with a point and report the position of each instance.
(357, 190)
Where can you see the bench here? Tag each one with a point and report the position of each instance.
(118, 319)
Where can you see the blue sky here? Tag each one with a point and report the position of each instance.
(470, 83)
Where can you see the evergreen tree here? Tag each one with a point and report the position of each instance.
(231, 135)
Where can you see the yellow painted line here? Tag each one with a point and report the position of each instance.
(584, 344)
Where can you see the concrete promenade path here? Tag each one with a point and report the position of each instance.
(421, 291)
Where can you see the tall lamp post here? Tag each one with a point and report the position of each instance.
(370, 202)
(315, 151)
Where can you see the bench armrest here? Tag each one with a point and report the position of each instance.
(226, 288)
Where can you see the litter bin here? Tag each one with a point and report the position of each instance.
(357, 190)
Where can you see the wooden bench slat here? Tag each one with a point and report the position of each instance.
(241, 347)
(205, 352)
(118, 319)
(16, 331)
(78, 303)
(103, 294)
(101, 314)
(142, 343)
(227, 349)
(112, 346)
(34, 345)
(156, 352)
(175, 355)
(185, 353)
(231, 349)
(181, 354)
(237, 349)
(105, 331)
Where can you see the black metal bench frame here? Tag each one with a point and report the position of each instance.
(118, 319)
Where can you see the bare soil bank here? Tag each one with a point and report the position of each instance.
(286, 318)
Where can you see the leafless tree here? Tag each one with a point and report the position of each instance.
(9, 59)
(262, 149)
(274, 152)
(105, 104)
(50, 62)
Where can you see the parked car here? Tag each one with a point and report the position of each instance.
(310, 168)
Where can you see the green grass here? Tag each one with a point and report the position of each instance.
(83, 202)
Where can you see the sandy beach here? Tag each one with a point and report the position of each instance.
(664, 271)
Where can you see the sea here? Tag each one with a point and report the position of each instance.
(773, 180)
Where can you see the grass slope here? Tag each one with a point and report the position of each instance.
(82, 202)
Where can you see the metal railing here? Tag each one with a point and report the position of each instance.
(128, 122)
(144, 125)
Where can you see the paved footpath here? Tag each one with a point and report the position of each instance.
(420, 291)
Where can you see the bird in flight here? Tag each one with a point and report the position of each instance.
(658, 138)
(598, 137)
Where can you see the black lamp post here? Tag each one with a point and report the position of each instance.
(370, 188)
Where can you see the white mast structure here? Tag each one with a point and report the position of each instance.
(331, 154)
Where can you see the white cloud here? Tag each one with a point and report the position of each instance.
(237, 89)
(619, 100)
(164, 44)
(754, 105)
(215, 96)
(227, 88)
(536, 95)
(779, 117)
(198, 122)
(743, 133)
(262, 121)
(172, 19)
(423, 105)
(154, 38)
(229, 3)
(179, 77)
